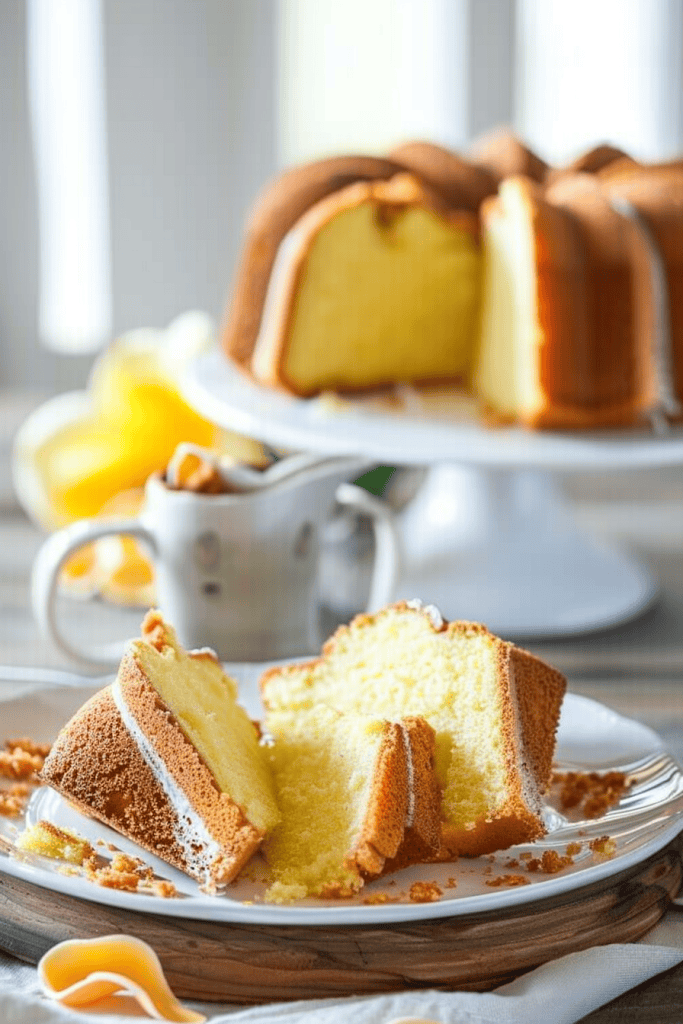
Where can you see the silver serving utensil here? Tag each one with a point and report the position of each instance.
(50, 677)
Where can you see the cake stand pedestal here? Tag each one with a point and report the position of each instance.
(490, 536)
(501, 547)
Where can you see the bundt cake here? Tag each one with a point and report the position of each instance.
(368, 276)
(494, 709)
(168, 758)
(386, 261)
(353, 797)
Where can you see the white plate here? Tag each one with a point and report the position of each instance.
(425, 436)
(591, 737)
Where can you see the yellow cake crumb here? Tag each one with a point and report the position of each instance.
(376, 898)
(279, 892)
(550, 863)
(13, 800)
(425, 892)
(163, 888)
(511, 880)
(604, 848)
(47, 840)
(593, 793)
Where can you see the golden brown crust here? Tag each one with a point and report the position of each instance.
(462, 183)
(606, 377)
(540, 690)
(516, 821)
(422, 837)
(96, 766)
(502, 154)
(226, 822)
(657, 193)
(594, 320)
(593, 161)
(385, 820)
(276, 210)
(389, 198)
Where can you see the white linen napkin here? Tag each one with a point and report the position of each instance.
(574, 985)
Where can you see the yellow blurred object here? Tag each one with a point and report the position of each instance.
(116, 568)
(77, 451)
(80, 972)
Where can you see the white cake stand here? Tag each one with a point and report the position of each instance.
(489, 537)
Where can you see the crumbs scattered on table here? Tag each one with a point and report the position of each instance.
(451, 883)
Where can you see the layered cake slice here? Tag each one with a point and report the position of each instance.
(168, 758)
(493, 707)
(358, 795)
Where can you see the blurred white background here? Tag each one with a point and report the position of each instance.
(135, 133)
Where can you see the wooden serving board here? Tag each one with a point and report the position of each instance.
(257, 964)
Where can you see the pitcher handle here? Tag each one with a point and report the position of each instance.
(52, 556)
(387, 563)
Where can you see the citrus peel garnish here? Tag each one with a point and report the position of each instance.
(80, 972)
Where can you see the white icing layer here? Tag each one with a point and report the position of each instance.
(200, 849)
(530, 789)
(410, 813)
(435, 616)
(275, 303)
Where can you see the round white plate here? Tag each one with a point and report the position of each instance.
(591, 737)
(216, 388)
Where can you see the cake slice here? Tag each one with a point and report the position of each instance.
(357, 795)
(494, 709)
(374, 284)
(279, 206)
(168, 758)
(566, 330)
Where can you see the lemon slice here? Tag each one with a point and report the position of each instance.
(78, 450)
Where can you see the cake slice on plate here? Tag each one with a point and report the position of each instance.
(168, 758)
(358, 795)
(493, 707)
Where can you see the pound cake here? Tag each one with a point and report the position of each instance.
(378, 276)
(494, 709)
(168, 758)
(354, 800)
(390, 261)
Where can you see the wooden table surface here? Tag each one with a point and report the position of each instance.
(636, 668)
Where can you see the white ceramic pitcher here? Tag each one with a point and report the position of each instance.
(234, 572)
